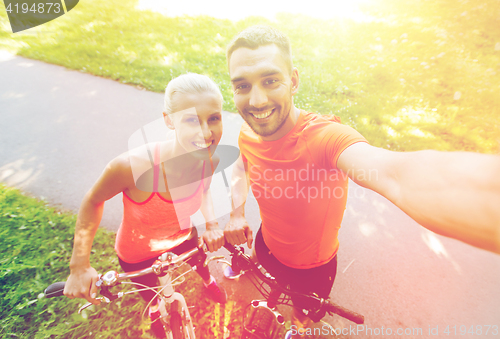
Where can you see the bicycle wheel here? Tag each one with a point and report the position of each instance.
(176, 325)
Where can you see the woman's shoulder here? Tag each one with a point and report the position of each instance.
(120, 163)
(144, 153)
(138, 160)
(119, 170)
(135, 161)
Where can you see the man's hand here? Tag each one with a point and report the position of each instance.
(238, 232)
(81, 284)
(213, 237)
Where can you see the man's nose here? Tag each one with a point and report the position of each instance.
(258, 97)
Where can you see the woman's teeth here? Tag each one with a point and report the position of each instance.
(263, 115)
(203, 145)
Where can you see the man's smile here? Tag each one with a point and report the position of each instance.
(262, 115)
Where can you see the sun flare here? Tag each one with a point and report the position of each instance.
(225, 9)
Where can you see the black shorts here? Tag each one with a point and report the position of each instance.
(318, 280)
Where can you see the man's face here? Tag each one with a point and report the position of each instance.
(263, 88)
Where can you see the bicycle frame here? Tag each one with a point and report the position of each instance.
(170, 302)
(172, 305)
(262, 319)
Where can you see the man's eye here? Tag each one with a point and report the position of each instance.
(241, 87)
(214, 118)
(192, 120)
(271, 81)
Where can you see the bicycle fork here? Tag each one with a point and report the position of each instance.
(176, 303)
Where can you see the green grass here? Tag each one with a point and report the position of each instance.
(36, 242)
(419, 77)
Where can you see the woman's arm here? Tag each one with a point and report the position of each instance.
(82, 278)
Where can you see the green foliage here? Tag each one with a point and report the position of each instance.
(423, 74)
(37, 242)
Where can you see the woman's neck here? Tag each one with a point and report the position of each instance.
(177, 160)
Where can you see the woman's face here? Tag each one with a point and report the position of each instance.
(197, 120)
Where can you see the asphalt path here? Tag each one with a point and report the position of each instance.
(59, 128)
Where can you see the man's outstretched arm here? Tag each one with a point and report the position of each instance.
(455, 194)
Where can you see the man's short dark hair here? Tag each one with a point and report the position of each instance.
(256, 36)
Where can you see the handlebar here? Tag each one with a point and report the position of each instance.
(111, 278)
(55, 290)
(239, 262)
(317, 306)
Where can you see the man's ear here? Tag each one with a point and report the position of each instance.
(168, 121)
(295, 81)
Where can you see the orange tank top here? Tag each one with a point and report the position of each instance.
(156, 225)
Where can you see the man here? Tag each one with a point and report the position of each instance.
(297, 164)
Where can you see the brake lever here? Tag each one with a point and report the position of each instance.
(223, 260)
(216, 257)
(232, 277)
(87, 305)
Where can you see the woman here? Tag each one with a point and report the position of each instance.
(163, 184)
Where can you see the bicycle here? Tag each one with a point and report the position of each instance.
(261, 319)
(174, 311)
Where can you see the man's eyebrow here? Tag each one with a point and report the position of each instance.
(269, 73)
(264, 74)
(237, 79)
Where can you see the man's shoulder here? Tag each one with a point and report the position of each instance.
(312, 118)
(323, 129)
(313, 125)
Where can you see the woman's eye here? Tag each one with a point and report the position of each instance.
(214, 118)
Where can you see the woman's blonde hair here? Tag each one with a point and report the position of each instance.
(189, 83)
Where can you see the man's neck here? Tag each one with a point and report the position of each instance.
(289, 124)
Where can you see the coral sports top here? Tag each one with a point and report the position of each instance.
(156, 225)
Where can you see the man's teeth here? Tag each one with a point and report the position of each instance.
(263, 114)
(203, 145)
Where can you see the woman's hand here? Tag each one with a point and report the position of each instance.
(81, 284)
(213, 237)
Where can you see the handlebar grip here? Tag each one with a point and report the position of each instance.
(55, 290)
(229, 247)
(343, 312)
